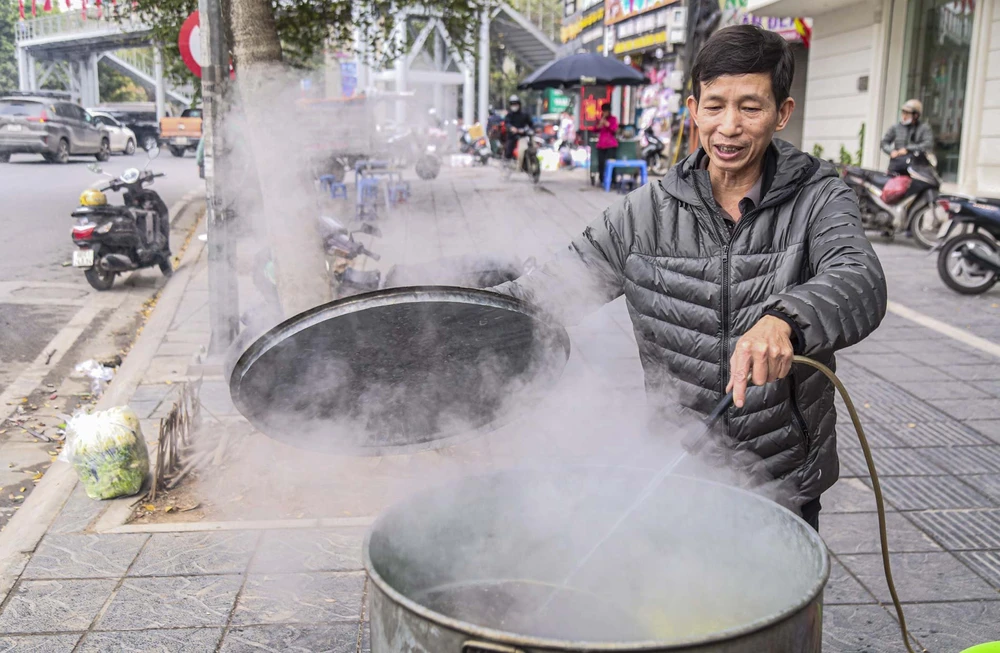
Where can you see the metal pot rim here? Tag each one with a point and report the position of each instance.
(514, 639)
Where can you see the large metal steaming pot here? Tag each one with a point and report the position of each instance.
(482, 564)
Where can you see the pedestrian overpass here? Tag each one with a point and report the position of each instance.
(71, 44)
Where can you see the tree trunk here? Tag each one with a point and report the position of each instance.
(266, 90)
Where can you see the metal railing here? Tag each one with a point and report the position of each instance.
(74, 22)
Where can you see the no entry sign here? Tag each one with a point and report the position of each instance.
(189, 43)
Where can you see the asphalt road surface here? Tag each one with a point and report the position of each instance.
(39, 295)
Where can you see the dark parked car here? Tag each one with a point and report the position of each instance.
(54, 128)
(140, 119)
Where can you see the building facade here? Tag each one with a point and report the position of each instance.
(867, 58)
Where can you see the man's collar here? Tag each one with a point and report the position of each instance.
(768, 168)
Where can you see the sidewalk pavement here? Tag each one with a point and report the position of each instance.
(80, 579)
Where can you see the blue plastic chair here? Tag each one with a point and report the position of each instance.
(612, 164)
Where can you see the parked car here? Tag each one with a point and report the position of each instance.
(122, 138)
(183, 133)
(35, 123)
(140, 117)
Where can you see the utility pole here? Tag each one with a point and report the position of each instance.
(223, 298)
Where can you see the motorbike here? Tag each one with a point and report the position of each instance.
(479, 148)
(525, 155)
(891, 204)
(111, 239)
(969, 262)
(653, 153)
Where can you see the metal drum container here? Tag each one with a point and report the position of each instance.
(492, 564)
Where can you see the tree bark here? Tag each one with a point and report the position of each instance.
(287, 210)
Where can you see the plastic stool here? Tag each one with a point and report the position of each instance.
(399, 192)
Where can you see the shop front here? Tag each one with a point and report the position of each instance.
(868, 58)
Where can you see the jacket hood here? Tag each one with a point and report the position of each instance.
(794, 170)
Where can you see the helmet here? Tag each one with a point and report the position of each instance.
(93, 197)
(914, 106)
(514, 100)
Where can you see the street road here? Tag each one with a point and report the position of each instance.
(35, 223)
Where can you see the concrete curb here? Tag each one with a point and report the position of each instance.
(26, 528)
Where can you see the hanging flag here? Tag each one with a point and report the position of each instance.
(804, 31)
(83, 9)
(34, 11)
(48, 6)
(67, 4)
(100, 10)
(20, 7)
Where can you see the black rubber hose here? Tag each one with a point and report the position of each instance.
(879, 504)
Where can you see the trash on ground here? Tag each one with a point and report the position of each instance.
(108, 452)
(97, 373)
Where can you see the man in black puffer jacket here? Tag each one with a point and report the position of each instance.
(747, 251)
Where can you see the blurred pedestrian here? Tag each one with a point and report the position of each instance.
(910, 134)
(607, 141)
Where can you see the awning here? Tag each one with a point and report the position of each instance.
(809, 8)
(521, 38)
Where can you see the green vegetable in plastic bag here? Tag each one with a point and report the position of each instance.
(108, 452)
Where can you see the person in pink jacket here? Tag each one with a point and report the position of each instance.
(607, 143)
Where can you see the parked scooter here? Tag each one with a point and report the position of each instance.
(653, 153)
(479, 148)
(117, 238)
(891, 204)
(969, 262)
(525, 155)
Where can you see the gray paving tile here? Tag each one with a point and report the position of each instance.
(858, 533)
(84, 556)
(846, 496)
(877, 361)
(77, 513)
(309, 550)
(366, 637)
(180, 640)
(932, 493)
(965, 460)
(938, 434)
(877, 434)
(174, 602)
(335, 638)
(984, 563)
(943, 390)
(155, 392)
(989, 428)
(962, 530)
(953, 626)
(44, 606)
(318, 597)
(899, 411)
(860, 629)
(919, 577)
(964, 409)
(905, 374)
(988, 484)
(842, 588)
(179, 554)
(891, 462)
(980, 372)
(39, 643)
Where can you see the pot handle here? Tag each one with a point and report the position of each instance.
(472, 646)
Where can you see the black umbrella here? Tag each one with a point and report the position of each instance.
(584, 69)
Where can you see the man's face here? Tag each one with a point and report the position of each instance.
(906, 117)
(515, 107)
(737, 117)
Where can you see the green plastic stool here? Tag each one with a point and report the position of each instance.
(989, 647)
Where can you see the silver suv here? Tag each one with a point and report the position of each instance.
(33, 123)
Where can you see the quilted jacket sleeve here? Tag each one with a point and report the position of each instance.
(844, 297)
(589, 272)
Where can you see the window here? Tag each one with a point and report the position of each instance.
(935, 70)
(21, 109)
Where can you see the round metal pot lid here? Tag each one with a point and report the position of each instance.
(397, 369)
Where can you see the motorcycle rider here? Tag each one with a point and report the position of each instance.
(908, 135)
(516, 121)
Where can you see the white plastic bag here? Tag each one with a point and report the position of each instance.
(97, 373)
(108, 452)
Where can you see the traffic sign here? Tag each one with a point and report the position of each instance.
(189, 43)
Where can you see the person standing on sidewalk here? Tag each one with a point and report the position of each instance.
(607, 141)
(746, 253)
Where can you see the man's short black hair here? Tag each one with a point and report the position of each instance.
(745, 50)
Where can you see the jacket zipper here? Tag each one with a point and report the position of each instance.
(799, 417)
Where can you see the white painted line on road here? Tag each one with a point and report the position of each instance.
(953, 332)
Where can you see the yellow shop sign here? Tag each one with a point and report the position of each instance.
(641, 42)
(571, 31)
